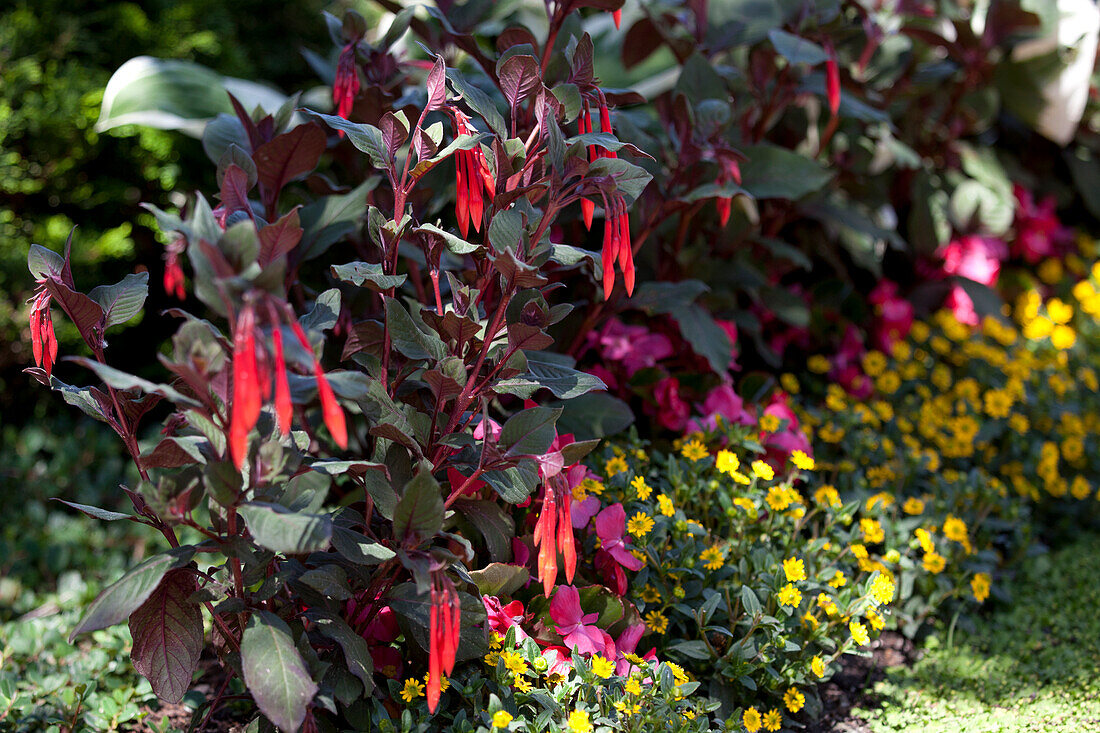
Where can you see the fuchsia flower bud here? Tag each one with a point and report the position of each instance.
(445, 625)
(43, 340)
(832, 79)
(346, 85)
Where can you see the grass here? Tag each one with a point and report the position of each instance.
(1032, 665)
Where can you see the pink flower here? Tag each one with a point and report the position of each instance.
(895, 314)
(724, 402)
(576, 627)
(1039, 233)
(583, 511)
(974, 257)
(610, 525)
(387, 660)
(636, 347)
(673, 412)
(627, 643)
(559, 660)
(504, 617)
(781, 444)
(731, 330)
(961, 306)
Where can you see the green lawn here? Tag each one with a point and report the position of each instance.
(1031, 665)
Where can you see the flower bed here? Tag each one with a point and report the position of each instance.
(387, 498)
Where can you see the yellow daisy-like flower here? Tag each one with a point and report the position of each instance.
(882, 589)
(745, 503)
(650, 594)
(924, 537)
(522, 684)
(817, 666)
(872, 530)
(579, 722)
(790, 383)
(934, 562)
(614, 466)
(818, 364)
(913, 505)
(514, 662)
(656, 622)
(763, 470)
(839, 580)
(641, 487)
(592, 486)
(640, 525)
(794, 569)
(632, 687)
(790, 596)
(412, 690)
(859, 632)
(694, 450)
(778, 498)
(954, 529)
(741, 478)
(751, 720)
(601, 667)
(810, 621)
(827, 495)
(876, 621)
(773, 719)
(794, 700)
(678, 673)
(727, 462)
(444, 683)
(769, 423)
(712, 558)
(802, 461)
(979, 585)
(665, 505)
(501, 719)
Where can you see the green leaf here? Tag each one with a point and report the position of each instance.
(167, 632)
(749, 601)
(278, 529)
(274, 671)
(555, 372)
(356, 548)
(42, 262)
(121, 380)
(457, 245)
(366, 138)
(478, 101)
(514, 484)
(498, 579)
(598, 415)
(692, 649)
(795, 49)
(123, 300)
(529, 432)
(328, 219)
(175, 95)
(356, 653)
(707, 338)
(774, 172)
(118, 600)
(408, 338)
(506, 230)
(630, 179)
(96, 512)
(495, 525)
(419, 513)
(358, 273)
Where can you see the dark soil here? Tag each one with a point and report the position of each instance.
(852, 686)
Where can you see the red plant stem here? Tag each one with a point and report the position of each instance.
(455, 493)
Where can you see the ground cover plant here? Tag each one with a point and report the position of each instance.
(370, 452)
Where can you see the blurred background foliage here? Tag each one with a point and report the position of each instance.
(56, 171)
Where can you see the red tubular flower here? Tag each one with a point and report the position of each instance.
(346, 85)
(616, 236)
(330, 408)
(43, 340)
(173, 276)
(832, 80)
(546, 539)
(617, 16)
(247, 399)
(284, 411)
(472, 173)
(445, 625)
(584, 125)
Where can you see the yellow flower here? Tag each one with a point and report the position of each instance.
(839, 580)
(925, 538)
(579, 722)
(827, 495)
(444, 683)
(859, 632)
(874, 363)
(817, 665)
(794, 700)
(592, 486)
(778, 498)
(632, 687)
(514, 662)
(794, 569)
(790, 596)
(913, 505)
(934, 562)
(640, 524)
(802, 461)
(712, 558)
(818, 364)
(979, 585)
(602, 668)
(769, 423)
(954, 529)
(872, 530)
(650, 594)
(876, 621)
(789, 382)
(641, 487)
(694, 451)
(727, 462)
(745, 503)
(810, 621)
(773, 719)
(751, 720)
(656, 622)
(741, 478)
(678, 673)
(501, 719)
(522, 684)
(665, 505)
(763, 470)
(412, 690)
(614, 466)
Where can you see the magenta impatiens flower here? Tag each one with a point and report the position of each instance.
(610, 526)
(575, 626)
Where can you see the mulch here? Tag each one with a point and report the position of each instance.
(852, 687)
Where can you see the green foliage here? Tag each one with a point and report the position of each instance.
(1030, 666)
